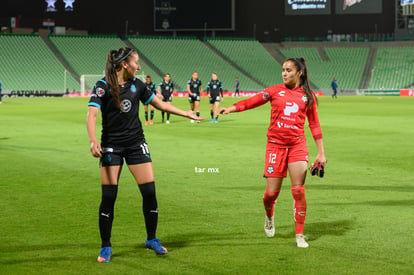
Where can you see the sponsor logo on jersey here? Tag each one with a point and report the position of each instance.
(133, 88)
(265, 96)
(304, 98)
(126, 105)
(214, 86)
(283, 125)
(167, 88)
(270, 169)
(195, 85)
(282, 93)
(291, 108)
(100, 92)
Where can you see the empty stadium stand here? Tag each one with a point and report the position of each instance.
(29, 63)
(393, 67)
(26, 63)
(251, 57)
(181, 56)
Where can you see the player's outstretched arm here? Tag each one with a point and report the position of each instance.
(90, 126)
(160, 105)
(228, 110)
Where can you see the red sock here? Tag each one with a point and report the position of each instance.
(299, 207)
(269, 199)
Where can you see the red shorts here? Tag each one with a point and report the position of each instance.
(278, 157)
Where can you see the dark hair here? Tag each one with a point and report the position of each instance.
(300, 65)
(113, 65)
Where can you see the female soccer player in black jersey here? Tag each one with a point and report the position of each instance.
(215, 89)
(117, 95)
(150, 86)
(165, 90)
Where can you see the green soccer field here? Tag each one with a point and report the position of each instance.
(360, 216)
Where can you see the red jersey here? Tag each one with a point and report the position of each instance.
(288, 114)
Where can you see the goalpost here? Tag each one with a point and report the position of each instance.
(87, 81)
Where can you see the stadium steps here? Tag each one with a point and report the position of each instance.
(274, 52)
(246, 74)
(59, 56)
(366, 76)
(147, 61)
(323, 54)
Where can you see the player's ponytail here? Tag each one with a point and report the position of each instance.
(300, 65)
(113, 65)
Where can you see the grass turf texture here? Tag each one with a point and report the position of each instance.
(359, 216)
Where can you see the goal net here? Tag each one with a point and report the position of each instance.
(87, 81)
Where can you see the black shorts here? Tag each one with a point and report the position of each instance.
(192, 99)
(115, 155)
(167, 98)
(214, 99)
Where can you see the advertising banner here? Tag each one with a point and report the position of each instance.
(308, 7)
(358, 6)
(407, 92)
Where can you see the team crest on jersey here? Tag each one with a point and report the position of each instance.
(126, 105)
(100, 92)
(265, 96)
(133, 88)
(304, 98)
(270, 169)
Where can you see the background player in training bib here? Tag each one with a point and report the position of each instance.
(151, 87)
(117, 96)
(291, 103)
(194, 90)
(215, 89)
(165, 90)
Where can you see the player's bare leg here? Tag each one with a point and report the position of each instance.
(297, 172)
(192, 109)
(197, 109)
(273, 186)
(216, 110)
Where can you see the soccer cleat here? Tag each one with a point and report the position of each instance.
(192, 121)
(155, 245)
(269, 226)
(212, 120)
(151, 122)
(146, 122)
(168, 122)
(317, 169)
(105, 254)
(301, 241)
(216, 121)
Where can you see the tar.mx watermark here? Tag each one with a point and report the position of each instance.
(201, 170)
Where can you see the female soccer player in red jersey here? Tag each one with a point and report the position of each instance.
(117, 95)
(286, 149)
